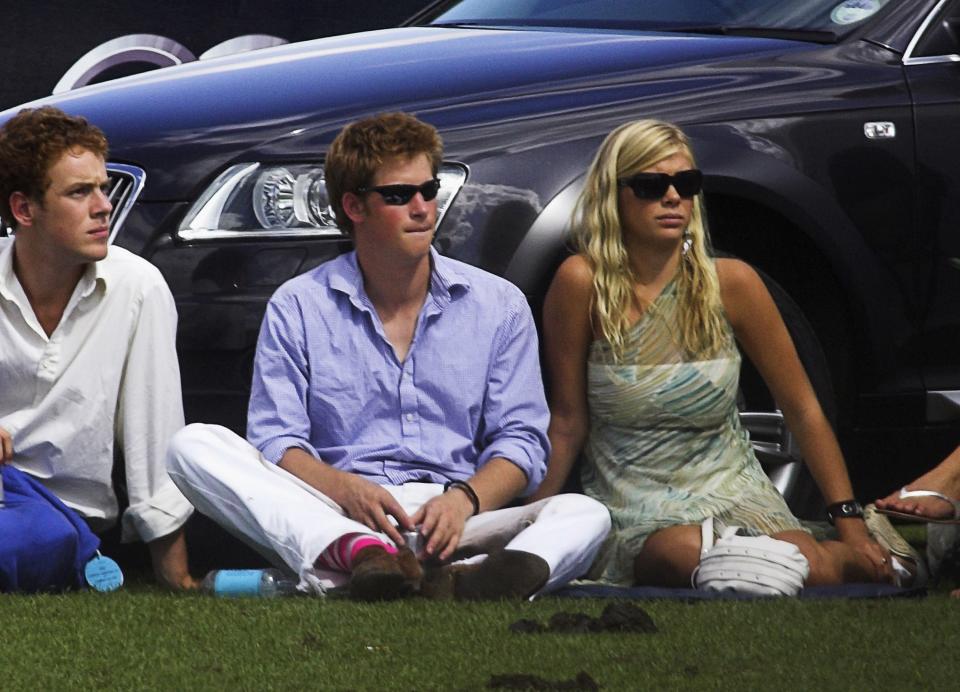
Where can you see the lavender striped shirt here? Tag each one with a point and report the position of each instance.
(327, 380)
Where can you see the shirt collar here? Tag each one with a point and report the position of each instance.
(102, 273)
(446, 282)
(7, 277)
(96, 274)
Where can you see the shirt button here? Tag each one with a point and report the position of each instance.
(410, 417)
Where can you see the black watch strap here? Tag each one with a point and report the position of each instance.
(847, 509)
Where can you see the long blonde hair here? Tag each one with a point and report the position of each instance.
(630, 149)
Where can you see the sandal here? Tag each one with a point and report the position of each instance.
(910, 571)
(920, 518)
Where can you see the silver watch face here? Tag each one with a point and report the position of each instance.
(845, 509)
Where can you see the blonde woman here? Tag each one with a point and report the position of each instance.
(640, 329)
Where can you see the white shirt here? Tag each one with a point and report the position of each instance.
(107, 379)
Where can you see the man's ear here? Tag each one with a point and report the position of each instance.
(22, 208)
(353, 206)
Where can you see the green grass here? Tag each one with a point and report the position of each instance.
(145, 639)
(141, 638)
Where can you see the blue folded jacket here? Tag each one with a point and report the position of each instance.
(44, 545)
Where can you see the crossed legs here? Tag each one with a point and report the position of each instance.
(291, 523)
(670, 555)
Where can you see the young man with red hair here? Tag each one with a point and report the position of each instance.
(87, 365)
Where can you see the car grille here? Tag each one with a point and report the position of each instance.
(126, 184)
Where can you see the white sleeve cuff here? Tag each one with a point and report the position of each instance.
(157, 516)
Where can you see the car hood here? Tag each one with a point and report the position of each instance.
(183, 124)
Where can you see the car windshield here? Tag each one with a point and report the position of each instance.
(829, 18)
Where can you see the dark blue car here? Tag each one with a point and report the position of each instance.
(825, 130)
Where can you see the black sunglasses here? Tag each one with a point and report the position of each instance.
(655, 185)
(397, 195)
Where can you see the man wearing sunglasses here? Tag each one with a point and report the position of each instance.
(396, 398)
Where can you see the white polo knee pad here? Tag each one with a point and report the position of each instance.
(754, 565)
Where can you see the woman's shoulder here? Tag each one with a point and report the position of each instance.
(740, 287)
(734, 271)
(736, 276)
(575, 273)
(571, 291)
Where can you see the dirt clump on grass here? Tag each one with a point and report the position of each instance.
(616, 617)
(522, 681)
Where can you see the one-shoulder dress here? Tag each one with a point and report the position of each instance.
(666, 446)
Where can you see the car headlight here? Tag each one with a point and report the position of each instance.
(257, 200)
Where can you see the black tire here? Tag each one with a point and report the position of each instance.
(772, 441)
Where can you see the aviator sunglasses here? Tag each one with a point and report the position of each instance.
(397, 195)
(655, 185)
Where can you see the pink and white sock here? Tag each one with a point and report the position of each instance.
(340, 554)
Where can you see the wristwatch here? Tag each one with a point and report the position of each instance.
(847, 509)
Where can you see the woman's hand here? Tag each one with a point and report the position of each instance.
(853, 532)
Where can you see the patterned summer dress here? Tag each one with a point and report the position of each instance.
(666, 446)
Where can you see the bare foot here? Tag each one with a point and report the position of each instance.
(944, 479)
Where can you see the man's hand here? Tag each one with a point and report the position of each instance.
(361, 500)
(370, 504)
(441, 520)
(6, 446)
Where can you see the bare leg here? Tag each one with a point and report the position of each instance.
(833, 562)
(169, 557)
(669, 557)
(944, 478)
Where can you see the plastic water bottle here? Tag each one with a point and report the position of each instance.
(263, 583)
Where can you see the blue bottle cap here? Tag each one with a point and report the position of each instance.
(103, 574)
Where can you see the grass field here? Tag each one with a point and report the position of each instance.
(141, 638)
(144, 639)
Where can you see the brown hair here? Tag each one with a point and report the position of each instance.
(31, 142)
(362, 147)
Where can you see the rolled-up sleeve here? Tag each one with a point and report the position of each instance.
(149, 412)
(515, 412)
(277, 418)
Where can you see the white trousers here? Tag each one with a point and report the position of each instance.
(291, 523)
